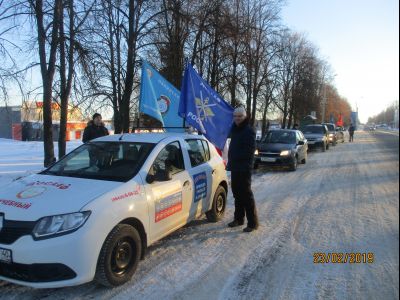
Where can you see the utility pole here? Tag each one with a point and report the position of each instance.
(323, 103)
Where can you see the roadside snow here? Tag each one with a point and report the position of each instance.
(18, 159)
(344, 200)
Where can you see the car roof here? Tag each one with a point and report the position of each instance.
(286, 129)
(319, 125)
(148, 137)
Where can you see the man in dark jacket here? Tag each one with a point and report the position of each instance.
(94, 129)
(240, 163)
(351, 132)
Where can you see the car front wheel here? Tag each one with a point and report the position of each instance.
(119, 256)
(218, 207)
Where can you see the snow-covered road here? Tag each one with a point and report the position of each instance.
(342, 201)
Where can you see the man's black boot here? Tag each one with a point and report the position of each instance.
(250, 229)
(235, 223)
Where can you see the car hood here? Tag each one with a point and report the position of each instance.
(274, 147)
(36, 196)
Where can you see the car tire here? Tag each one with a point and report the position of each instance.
(255, 166)
(304, 160)
(327, 146)
(113, 270)
(218, 206)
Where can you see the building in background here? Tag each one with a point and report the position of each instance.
(25, 122)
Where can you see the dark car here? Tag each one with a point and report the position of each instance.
(283, 147)
(317, 136)
(332, 133)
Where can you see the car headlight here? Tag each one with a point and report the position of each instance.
(256, 152)
(59, 225)
(285, 152)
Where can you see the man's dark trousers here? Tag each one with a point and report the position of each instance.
(244, 199)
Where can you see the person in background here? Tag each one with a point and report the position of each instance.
(351, 132)
(295, 126)
(240, 162)
(94, 129)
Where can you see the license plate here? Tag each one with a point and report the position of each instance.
(5, 255)
(268, 159)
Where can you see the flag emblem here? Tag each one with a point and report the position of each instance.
(163, 104)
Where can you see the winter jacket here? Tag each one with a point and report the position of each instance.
(351, 129)
(241, 148)
(93, 131)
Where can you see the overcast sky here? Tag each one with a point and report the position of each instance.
(360, 40)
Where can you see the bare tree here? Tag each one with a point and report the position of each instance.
(116, 38)
(10, 72)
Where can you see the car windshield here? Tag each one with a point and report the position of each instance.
(331, 127)
(280, 137)
(113, 161)
(313, 129)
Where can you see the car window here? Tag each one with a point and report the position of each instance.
(313, 129)
(206, 150)
(280, 137)
(114, 161)
(299, 137)
(170, 158)
(196, 151)
(330, 127)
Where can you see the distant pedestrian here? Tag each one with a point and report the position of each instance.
(240, 162)
(94, 129)
(351, 132)
(295, 126)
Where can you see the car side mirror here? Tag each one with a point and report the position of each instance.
(161, 175)
(150, 178)
(300, 143)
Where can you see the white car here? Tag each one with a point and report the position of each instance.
(93, 213)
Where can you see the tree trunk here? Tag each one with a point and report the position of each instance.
(126, 97)
(66, 80)
(47, 72)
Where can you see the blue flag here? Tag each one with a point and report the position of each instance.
(204, 109)
(159, 98)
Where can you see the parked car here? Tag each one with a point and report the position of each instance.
(282, 147)
(332, 133)
(340, 134)
(317, 136)
(93, 213)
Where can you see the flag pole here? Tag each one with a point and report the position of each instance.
(186, 65)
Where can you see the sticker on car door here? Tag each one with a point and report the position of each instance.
(200, 186)
(168, 206)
